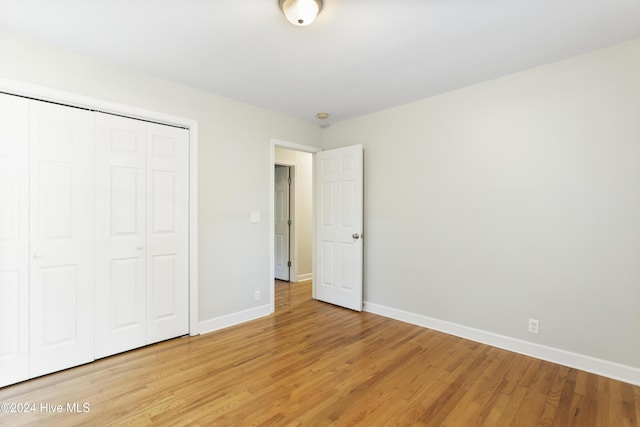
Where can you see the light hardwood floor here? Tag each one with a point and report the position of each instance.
(315, 364)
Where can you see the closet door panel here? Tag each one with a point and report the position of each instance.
(61, 237)
(167, 232)
(120, 234)
(14, 239)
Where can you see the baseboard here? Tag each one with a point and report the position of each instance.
(233, 319)
(602, 367)
(304, 277)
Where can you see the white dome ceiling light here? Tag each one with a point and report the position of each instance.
(301, 12)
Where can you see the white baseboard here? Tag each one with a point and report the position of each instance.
(304, 277)
(602, 367)
(233, 319)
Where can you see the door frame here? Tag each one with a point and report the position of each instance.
(272, 162)
(15, 87)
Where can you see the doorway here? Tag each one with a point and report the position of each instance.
(338, 223)
(298, 159)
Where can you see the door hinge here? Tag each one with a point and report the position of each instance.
(289, 180)
(289, 264)
(289, 222)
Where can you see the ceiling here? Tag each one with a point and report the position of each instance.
(360, 56)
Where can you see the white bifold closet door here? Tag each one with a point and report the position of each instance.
(61, 237)
(167, 232)
(120, 234)
(141, 233)
(14, 239)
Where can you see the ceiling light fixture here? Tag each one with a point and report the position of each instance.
(301, 12)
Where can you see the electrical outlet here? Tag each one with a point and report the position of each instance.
(258, 296)
(534, 326)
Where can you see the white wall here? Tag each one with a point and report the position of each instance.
(303, 219)
(234, 153)
(510, 199)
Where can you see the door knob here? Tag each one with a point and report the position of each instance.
(139, 247)
(37, 256)
(356, 236)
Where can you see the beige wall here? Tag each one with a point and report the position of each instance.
(510, 199)
(234, 157)
(303, 247)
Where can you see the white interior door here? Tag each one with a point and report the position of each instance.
(339, 227)
(167, 249)
(120, 292)
(61, 237)
(281, 222)
(14, 239)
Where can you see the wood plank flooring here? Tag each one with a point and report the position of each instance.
(313, 364)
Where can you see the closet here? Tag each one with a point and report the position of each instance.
(94, 227)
